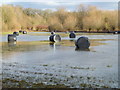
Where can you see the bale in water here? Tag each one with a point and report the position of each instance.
(16, 33)
(12, 38)
(72, 35)
(24, 32)
(52, 32)
(20, 31)
(116, 32)
(55, 38)
(82, 43)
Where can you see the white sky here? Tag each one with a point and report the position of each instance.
(59, 0)
(69, 4)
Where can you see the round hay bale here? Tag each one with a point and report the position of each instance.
(16, 33)
(116, 32)
(72, 35)
(12, 38)
(20, 31)
(82, 43)
(24, 32)
(52, 32)
(55, 38)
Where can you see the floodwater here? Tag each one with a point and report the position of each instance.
(35, 60)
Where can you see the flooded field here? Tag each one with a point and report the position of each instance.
(33, 61)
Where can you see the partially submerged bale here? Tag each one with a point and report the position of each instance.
(24, 32)
(72, 35)
(116, 32)
(20, 31)
(82, 43)
(16, 33)
(52, 32)
(55, 38)
(12, 38)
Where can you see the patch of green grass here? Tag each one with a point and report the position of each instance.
(79, 68)
(4, 33)
(109, 65)
(45, 65)
(11, 83)
(84, 85)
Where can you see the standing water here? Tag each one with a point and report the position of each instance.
(33, 61)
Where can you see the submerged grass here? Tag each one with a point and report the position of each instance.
(12, 83)
(32, 45)
(48, 34)
(109, 66)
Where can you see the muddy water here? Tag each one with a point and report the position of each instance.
(35, 60)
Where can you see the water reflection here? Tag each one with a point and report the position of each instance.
(68, 65)
(53, 44)
(72, 39)
(77, 49)
(12, 44)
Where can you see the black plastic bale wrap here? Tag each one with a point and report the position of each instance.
(82, 43)
(72, 35)
(16, 33)
(52, 32)
(24, 32)
(12, 38)
(116, 32)
(55, 38)
(20, 31)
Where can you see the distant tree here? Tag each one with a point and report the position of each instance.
(29, 11)
(70, 23)
(61, 14)
(80, 14)
(93, 20)
(83, 18)
(55, 24)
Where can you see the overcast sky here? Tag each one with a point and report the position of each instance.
(68, 4)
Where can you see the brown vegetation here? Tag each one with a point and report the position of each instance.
(84, 18)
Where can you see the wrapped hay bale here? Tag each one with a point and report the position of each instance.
(12, 38)
(24, 32)
(72, 35)
(16, 33)
(82, 43)
(55, 38)
(20, 31)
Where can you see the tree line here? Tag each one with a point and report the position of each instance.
(84, 18)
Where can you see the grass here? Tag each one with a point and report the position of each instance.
(79, 68)
(109, 66)
(4, 33)
(48, 34)
(31, 45)
(12, 83)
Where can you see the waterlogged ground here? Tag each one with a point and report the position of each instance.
(34, 62)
